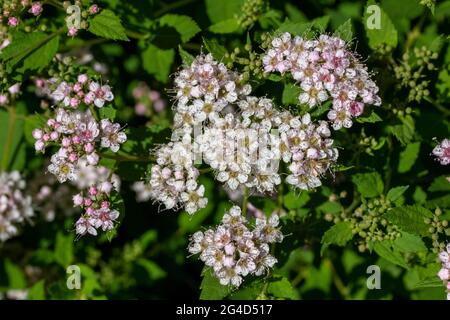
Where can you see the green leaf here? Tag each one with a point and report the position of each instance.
(430, 282)
(11, 138)
(294, 201)
(225, 26)
(280, 287)
(440, 184)
(304, 29)
(211, 289)
(385, 33)
(339, 234)
(185, 26)
(384, 250)
(218, 51)
(154, 271)
(290, 94)
(404, 132)
(16, 278)
(107, 25)
(410, 219)
(372, 118)
(158, 62)
(223, 10)
(345, 31)
(409, 243)
(35, 50)
(369, 185)
(396, 193)
(186, 57)
(107, 113)
(408, 157)
(64, 249)
(37, 291)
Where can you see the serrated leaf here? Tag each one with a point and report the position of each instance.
(186, 57)
(345, 31)
(410, 219)
(440, 184)
(107, 112)
(408, 157)
(372, 118)
(384, 250)
(408, 242)
(369, 185)
(185, 26)
(218, 51)
(225, 26)
(211, 289)
(339, 234)
(107, 25)
(395, 193)
(16, 278)
(280, 287)
(63, 249)
(294, 201)
(382, 34)
(158, 62)
(33, 50)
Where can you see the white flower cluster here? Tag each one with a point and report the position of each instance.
(324, 68)
(15, 205)
(444, 273)
(239, 140)
(79, 136)
(173, 179)
(442, 152)
(233, 250)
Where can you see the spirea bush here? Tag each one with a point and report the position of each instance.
(238, 149)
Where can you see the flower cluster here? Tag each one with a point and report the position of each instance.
(83, 24)
(97, 206)
(233, 250)
(442, 152)
(324, 68)
(11, 11)
(84, 90)
(444, 273)
(238, 141)
(7, 98)
(15, 205)
(174, 178)
(79, 136)
(147, 100)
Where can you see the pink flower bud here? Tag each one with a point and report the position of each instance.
(87, 202)
(77, 87)
(37, 134)
(73, 157)
(13, 22)
(105, 205)
(39, 145)
(36, 8)
(88, 147)
(92, 190)
(90, 211)
(77, 200)
(72, 31)
(66, 142)
(94, 9)
(14, 89)
(46, 137)
(51, 122)
(106, 187)
(3, 99)
(54, 135)
(154, 95)
(76, 139)
(82, 78)
(74, 102)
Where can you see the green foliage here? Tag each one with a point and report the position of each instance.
(369, 185)
(339, 234)
(107, 25)
(410, 219)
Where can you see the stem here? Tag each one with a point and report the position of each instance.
(438, 106)
(125, 157)
(9, 138)
(245, 202)
(340, 286)
(172, 6)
